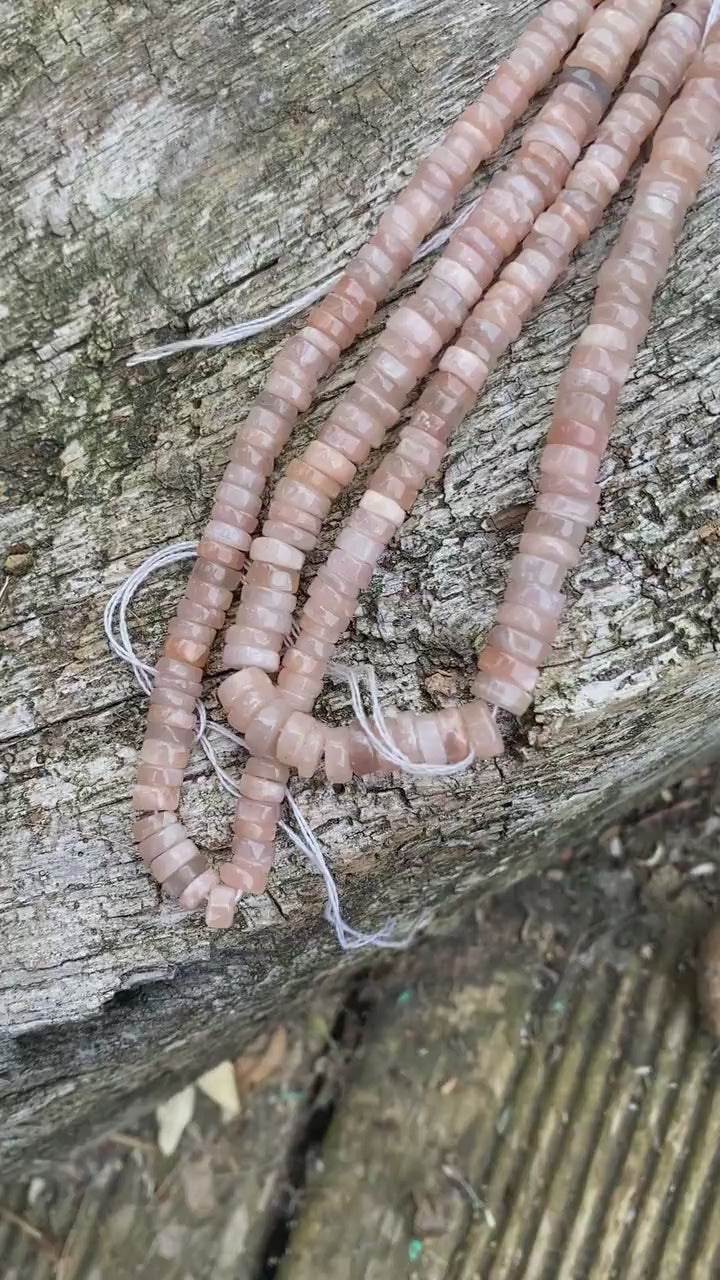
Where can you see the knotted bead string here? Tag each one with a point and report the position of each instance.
(567, 492)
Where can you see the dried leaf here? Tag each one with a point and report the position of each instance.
(247, 1062)
(173, 1117)
(220, 1085)
(253, 1068)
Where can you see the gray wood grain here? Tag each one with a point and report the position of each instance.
(168, 168)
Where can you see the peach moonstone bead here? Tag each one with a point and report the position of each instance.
(243, 694)
(250, 866)
(220, 911)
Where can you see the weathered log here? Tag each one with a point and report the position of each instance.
(167, 167)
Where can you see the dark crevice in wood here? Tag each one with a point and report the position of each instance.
(324, 1096)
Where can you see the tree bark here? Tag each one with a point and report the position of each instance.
(169, 168)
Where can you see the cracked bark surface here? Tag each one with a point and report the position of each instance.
(170, 168)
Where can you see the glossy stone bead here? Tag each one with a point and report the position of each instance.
(243, 694)
(483, 735)
(337, 756)
(178, 881)
(220, 911)
(301, 743)
(198, 890)
(262, 732)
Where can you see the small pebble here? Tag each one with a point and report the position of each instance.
(615, 847)
(702, 869)
(18, 560)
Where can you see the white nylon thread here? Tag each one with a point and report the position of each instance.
(118, 636)
(376, 730)
(261, 324)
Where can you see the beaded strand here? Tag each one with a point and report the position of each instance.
(527, 203)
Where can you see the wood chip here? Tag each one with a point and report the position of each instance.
(173, 1117)
(220, 1085)
(262, 1060)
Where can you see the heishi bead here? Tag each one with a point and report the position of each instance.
(272, 551)
(198, 890)
(256, 811)
(567, 460)
(163, 755)
(251, 863)
(267, 768)
(300, 494)
(528, 619)
(585, 511)
(252, 853)
(243, 878)
(501, 693)
(330, 462)
(313, 647)
(359, 545)
(149, 826)
(243, 694)
(299, 691)
(220, 911)
(221, 553)
(518, 644)
(361, 415)
(382, 506)
(555, 526)
(337, 756)
(225, 579)
(572, 486)
(403, 732)
(555, 549)
(301, 743)
(208, 594)
(176, 699)
(351, 446)
(272, 577)
(160, 730)
(576, 434)
(265, 657)
(244, 477)
(322, 622)
(263, 789)
(255, 615)
(263, 832)
(178, 881)
(171, 860)
(154, 776)
(181, 673)
(533, 568)
(356, 573)
(268, 598)
(430, 740)
(371, 526)
(290, 534)
(257, 462)
(303, 664)
(454, 734)
(363, 760)
(262, 732)
(483, 735)
(148, 798)
(193, 610)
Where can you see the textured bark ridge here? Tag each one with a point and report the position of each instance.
(167, 169)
